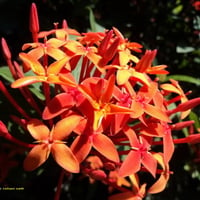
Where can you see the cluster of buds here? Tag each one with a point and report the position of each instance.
(104, 114)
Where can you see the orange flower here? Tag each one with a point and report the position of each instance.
(142, 102)
(51, 141)
(50, 74)
(99, 94)
(140, 153)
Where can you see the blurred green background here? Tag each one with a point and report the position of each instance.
(172, 27)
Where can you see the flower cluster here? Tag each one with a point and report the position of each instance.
(105, 113)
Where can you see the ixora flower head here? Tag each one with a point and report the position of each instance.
(100, 110)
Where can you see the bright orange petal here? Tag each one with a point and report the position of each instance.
(108, 91)
(57, 54)
(81, 147)
(58, 105)
(65, 126)
(160, 184)
(156, 112)
(116, 109)
(56, 66)
(32, 63)
(24, 81)
(37, 129)
(140, 76)
(149, 163)
(65, 158)
(137, 110)
(105, 146)
(61, 79)
(131, 164)
(36, 157)
(36, 53)
(55, 43)
(168, 147)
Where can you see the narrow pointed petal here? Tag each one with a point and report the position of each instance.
(28, 80)
(36, 53)
(55, 43)
(132, 137)
(156, 112)
(171, 88)
(37, 129)
(61, 79)
(57, 54)
(140, 76)
(168, 147)
(108, 91)
(65, 158)
(149, 163)
(160, 184)
(56, 66)
(131, 164)
(65, 126)
(32, 64)
(105, 146)
(36, 157)
(81, 147)
(116, 109)
(58, 105)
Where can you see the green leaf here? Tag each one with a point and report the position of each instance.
(184, 78)
(194, 116)
(6, 74)
(95, 27)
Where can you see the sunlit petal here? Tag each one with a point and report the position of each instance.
(24, 81)
(149, 163)
(37, 129)
(36, 157)
(81, 147)
(65, 126)
(58, 105)
(56, 66)
(65, 158)
(105, 146)
(32, 64)
(131, 164)
(156, 112)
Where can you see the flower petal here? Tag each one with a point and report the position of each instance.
(36, 157)
(105, 146)
(156, 112)
(149, 163)
(160, 184)
(37, 129)
(32, 64)
(131, 164)
(81, 147)
(58, 105)
(56, 66)
(24, 81)
(65, 158)
(65, 126)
